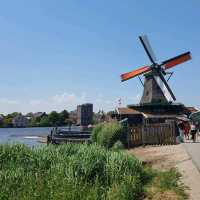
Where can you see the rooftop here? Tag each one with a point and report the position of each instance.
(127, 111)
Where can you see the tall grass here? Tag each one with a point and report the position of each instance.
(69, 172)
(107, 134)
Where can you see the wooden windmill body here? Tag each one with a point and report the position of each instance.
(152, 94)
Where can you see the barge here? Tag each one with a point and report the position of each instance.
(66, 135)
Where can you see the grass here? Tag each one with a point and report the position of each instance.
(79, 171)
(69, 172)
(166, 185)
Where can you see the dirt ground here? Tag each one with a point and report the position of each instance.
(170, 156)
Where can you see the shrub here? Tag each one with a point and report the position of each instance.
(96, 131)
(108, 134)
(118, 146)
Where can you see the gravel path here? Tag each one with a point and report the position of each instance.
(179, 156)
(194, 151)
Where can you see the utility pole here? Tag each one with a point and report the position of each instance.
(119, 104)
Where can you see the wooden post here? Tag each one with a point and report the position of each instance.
(128, 136)
(142, 134)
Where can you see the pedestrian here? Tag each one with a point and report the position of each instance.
(197, 128)
(181, 131)
(186, 130)
(193, 131)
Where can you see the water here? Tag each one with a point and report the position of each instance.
(28, 136)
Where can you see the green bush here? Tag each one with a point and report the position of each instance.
(69, 171)
(108, 134)
(96, 131)
(118, 146)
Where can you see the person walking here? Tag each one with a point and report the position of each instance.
(181, 132)
(186, 130)
(193, 131)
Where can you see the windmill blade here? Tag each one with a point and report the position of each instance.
(134, 73)
(177, 60)
(147, 47)
(162, 83)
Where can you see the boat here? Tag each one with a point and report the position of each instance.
(68, 135)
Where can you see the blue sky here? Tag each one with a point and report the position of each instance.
(57, 54)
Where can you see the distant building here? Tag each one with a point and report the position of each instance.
(84, 114)
(1, 117)
(20, 121)
(189, 110)
(39, 114)
(73, 116)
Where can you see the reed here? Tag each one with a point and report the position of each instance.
(79, 172)
(69, 171)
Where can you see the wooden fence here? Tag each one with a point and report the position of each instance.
(161, 134)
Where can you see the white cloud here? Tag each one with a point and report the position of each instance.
(102, 103)
(7, 105)
(60, 102)
(7, 101)
(57, 102)
(35, 102)
(63, 98)
(135, 99)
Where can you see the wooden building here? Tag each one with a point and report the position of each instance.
(148, 114)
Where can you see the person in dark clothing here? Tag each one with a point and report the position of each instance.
(193, 132)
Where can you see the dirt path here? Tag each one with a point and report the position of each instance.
(194, 151)
(166, 157)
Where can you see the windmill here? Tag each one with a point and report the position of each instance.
(156, 88)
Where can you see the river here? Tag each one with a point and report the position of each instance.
(28, 136)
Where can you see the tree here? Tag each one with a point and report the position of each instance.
(54, 119)
(64, 115)
(44, 122)
(35, 121)
(111, 113)
(14, 114)
(7, 122)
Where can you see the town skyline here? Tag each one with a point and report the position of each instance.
(68, 53)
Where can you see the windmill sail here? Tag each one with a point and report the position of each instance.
(147, 47)
(164, 88)
(134, 73)
(176, 60)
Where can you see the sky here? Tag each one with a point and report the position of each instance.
(57, 54)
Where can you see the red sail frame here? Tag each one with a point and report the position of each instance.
(134, 73)
(176, 60)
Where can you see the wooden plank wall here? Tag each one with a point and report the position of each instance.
(154, 134)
